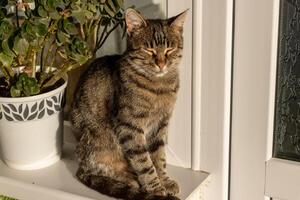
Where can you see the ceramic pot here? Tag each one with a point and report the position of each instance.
(31, 129)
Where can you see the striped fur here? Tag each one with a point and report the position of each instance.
(122, 108)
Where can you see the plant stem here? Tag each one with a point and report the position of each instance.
(66, 67)
(4, 72)
(46, 38)
(42, 59)
(33, 64)
(82, 32)
(94, 40)
(44, 72)
(101, 37)
(9, 70)
(90, 25)
(106, 36)
(48, 54)
(59, 74)
(95, 30)
(17, 15)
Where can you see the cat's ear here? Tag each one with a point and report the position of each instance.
(133, 20)
(178, 21)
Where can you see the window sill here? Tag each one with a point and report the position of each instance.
(58, 181)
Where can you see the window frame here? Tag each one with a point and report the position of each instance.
(279, 172)
(255, 174)
(212, 76)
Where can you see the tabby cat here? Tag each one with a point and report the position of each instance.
(122, 108)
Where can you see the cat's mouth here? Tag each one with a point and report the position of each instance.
(161, 73)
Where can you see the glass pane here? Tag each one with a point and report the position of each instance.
(287, 105)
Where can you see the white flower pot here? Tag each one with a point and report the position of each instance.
(31, 129)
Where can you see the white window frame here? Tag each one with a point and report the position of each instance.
(212, 68)
(251, 96)
(255, 174)
(282, 178)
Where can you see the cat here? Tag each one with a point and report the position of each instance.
(122, 109)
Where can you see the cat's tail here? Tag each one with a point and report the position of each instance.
(117, 189)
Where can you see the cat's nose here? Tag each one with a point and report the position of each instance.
(161, 65)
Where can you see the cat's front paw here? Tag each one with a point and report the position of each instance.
(159, 190)
(172, 187)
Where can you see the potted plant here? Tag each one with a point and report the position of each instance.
(40, 42)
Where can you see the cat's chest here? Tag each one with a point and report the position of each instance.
(164, 102)
(153, 101)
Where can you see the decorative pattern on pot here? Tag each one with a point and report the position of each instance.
(32, 110)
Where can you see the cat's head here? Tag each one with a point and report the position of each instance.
(156, 44)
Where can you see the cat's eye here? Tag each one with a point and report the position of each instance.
(150, 51)
(169, 50)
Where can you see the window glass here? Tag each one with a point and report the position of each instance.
(287, 104)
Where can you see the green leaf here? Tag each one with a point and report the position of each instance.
(34, 44)
(79, 16)
(14, 92)
(28, 31)
(21, 46)
(6, 60)
(27, 27)
(23, 77)
(69, 27)
(41, 29)
(120, 3)
(109, 11)
(51, 4)
(54, 15)
(62, 37)
(81, 59)
(25, 86)
(19, 85)
(75, 6)
(43, 2)
(92, 8)
(6, 27)
(42, 12)
(6, 47)
(88, 14)
(30, 87)
(112, 6)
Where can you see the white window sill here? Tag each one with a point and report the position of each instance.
(58, 182)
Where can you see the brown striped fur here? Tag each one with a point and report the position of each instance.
(122, 108)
